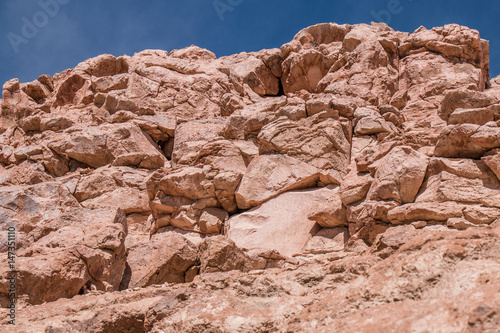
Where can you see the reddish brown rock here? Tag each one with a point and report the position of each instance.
(399, 176)
(319, 142)
(285, 230)
(219, 254)
(492, 160)
(467, 140)
(159, 192)
(124, 145)
(331, 213)
(346, 291)
(479, 116)
(269, 175)
(166, 258)
(61, 244)
(461, 99)
(327, 240)
(355, 187)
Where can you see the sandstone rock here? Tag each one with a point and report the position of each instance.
(309, 56)
(72, 90)
(105, 65)
(26, 173)
(318, 104)
(327, 240)
(367, 155)
(331, 213)
(449, 187)
(108, 179)
(120, 175)
(290, 292)
(107, 83)
(471, 116)
(369, 211)
(425, 86)
(99, 146)
(370, 122)
(493, 162)
(270, 175)
(61, 244)
(425, 211)
(56, 123)
(189, 182)
(355, 187)
(284, 230)
(363, 63)
(249, 149)
(212, 220)
(392, 239)
(422, 125)
(190, 197)
(458, 166)
(252, 71)
(219, 254)
(459, 223)
(399, 176)
(229, 103)
(130, 200)
(481, 215)
(158, 127)
(164, 259)
(321, 143)
(419, 224)
(463, 99)
(305, 70)
(36, 90)
(191, 136)
(225, 184)
(345, 106)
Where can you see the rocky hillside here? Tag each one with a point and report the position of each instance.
(348, 181)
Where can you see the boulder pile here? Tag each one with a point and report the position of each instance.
(348, 181)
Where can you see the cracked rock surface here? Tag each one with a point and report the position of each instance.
(348, 181)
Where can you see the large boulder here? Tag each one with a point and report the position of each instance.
(467, 140)
(366, 66)
(120, 144)
(399, 175)
(446, 186)
(280, 224)
(250, 70)
(331, 213)
(492, 160)
(463, 99)
(323, 143)
(269, 175)
(62, 248)
(309, 56)
(355, 186)
(220, 254)
(166, 258)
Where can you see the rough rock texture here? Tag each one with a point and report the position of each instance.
(346, 181)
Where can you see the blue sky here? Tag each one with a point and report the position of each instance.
(81, 29)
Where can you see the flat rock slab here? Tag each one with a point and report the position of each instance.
(279, 224)
(270, 175)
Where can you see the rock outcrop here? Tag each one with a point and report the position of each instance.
(347, 181)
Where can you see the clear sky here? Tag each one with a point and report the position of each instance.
(39, 37)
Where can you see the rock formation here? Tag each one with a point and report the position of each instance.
(348, 181)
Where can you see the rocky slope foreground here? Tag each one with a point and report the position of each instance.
(346, 182)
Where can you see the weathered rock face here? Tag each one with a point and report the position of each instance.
(281, 224)
(347, 181)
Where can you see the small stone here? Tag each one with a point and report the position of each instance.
(419, 224)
